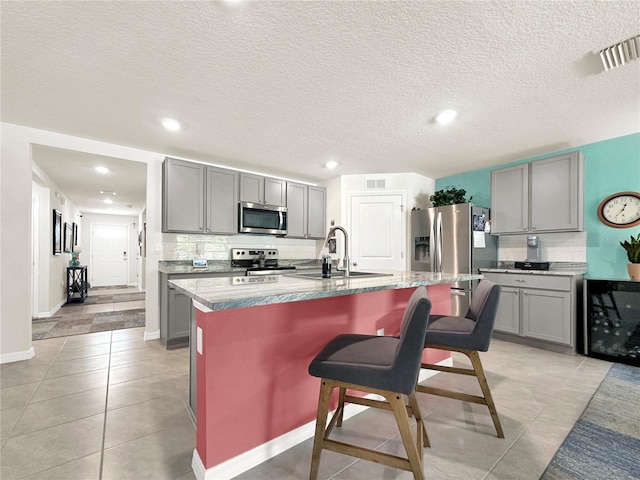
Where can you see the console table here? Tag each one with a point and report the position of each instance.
(612, 320)
(76, 284)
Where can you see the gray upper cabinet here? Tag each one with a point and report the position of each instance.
(222, 200)
(263, 190)
(306, 207)
(199, 199)
(510, 199)
(317, 212)
(537, 197)
(182, 196)
(297, 210)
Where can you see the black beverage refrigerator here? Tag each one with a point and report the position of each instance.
(612, 320)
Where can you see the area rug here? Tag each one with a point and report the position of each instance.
(65, 325)
(114, 298)
(604, 444)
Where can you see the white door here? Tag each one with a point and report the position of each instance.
(377, 232)
(35, 249)
(109, 255)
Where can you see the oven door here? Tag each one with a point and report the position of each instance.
(264, 219)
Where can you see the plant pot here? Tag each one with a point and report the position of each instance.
(634, 271)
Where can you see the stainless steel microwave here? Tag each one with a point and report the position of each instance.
(264, 219)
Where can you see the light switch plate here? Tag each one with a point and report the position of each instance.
(199, 340)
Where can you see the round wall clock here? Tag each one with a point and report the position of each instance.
(620, 210)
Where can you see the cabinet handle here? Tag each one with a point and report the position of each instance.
(519, 280)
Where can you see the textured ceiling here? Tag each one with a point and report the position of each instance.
(281, 87)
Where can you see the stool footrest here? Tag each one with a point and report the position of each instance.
(449, 394)
(367, 454)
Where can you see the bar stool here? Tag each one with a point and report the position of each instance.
(467, 335)
(386, 366)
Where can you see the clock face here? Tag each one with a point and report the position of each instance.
(620, 210)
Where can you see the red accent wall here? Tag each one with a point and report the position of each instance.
(252, 379)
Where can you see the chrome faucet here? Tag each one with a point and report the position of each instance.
(345, 261)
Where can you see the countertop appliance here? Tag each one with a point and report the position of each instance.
(453, 239)
(259, 261)
(534, 257)
(264, 219)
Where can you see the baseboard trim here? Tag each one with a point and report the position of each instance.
(246, 461)
(155, 335)
(52, 312)
(17, 356)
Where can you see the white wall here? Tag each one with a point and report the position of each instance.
(52, 268)
(131, 222)
(15, 228)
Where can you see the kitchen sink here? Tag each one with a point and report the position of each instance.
(338, 275)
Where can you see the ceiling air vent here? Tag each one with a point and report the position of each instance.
(620, 53)
(375, 184)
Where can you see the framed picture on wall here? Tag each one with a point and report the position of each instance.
(74, 238)
(57, 232)
(68, 233)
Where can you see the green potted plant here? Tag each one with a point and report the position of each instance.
(632, 247)
(448, 196)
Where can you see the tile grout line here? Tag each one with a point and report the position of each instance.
(106, 403)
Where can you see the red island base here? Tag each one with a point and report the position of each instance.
(252, 380)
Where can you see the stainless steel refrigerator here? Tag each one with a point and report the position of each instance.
(453, 239)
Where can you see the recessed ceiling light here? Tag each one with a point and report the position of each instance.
(102, 170)
(108, 200)
(107, 192)
(171, 124)
(446, 116)
(331, 164)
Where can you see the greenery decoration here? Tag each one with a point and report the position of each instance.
(448, 196)
(632, 248)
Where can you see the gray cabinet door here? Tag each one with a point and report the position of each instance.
(297, 208)
(546, 315)
(275, 192)
(251, 188)
(557, 193)
(510, 199)
(222, 200)
(508, 316)
(182, 196)
(179, 315)
(317, 212)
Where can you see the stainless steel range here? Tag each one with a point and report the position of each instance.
(259, 261)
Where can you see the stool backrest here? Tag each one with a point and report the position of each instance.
(483, 309)
(412, 334)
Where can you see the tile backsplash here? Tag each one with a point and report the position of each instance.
(555, 247)
(176, 246)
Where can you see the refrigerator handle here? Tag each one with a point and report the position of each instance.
(432, 246)
(439, 242)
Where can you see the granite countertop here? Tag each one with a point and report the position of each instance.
(556, 268)
(240, 292)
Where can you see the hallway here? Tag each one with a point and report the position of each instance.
(104, 309)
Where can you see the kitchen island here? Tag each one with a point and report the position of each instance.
(254, 339)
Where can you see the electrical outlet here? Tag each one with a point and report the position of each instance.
(380, 332)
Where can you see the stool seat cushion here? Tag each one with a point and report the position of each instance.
(441, 323)
(360, 359)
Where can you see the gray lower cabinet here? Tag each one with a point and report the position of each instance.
(536, 197)
(198, 198)
(176, 308)
(540, 309)
(306, 211)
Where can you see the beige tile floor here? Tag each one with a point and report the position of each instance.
(110, 406)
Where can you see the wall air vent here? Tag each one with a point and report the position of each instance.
(375, 184)
(620, 53)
